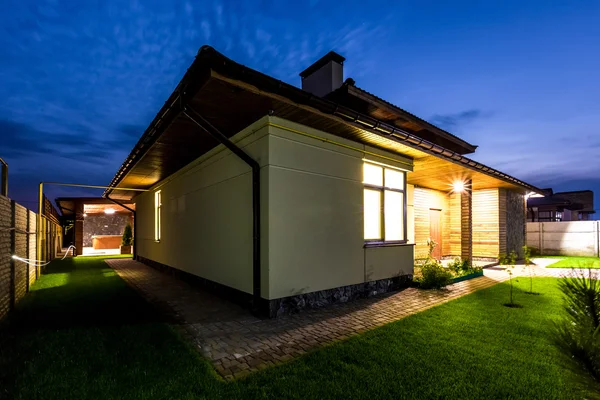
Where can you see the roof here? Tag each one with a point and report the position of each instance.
(331, 56)
(361, 100)
(582, 200)
(220, 88)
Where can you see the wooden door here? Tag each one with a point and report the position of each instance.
(435, 232)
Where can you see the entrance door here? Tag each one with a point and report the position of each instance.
(435, 232)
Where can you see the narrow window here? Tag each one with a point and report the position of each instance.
(384, 203)
(157, 212)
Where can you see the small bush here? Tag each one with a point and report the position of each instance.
(127, 238)
(502, 259)
(512, 257)
(578, 335)
(462, 267)
(434, 275)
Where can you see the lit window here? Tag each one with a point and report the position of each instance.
(373, 174)
(384, 204)
(157, 212)
(372, 214)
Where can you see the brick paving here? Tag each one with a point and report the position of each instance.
(238, 343)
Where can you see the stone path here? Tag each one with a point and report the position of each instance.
(238, 343)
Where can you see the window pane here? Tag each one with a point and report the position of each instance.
(157, 208)
(394, 179)
(372, 174)
(372, 214)
(394, 215)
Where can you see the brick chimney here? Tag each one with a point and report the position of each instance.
(325, 75)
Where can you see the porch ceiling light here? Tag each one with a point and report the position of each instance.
(109, 211)
(458, 186)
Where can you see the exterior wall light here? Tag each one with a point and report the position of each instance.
(458, 186)
(109, 211)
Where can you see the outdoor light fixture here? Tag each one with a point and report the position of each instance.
(458, 186)
(109, 211)
(84, 214)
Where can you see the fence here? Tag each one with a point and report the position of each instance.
(577, 238)
(18, 236)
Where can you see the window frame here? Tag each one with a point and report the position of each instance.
(157, 216)
(382, 189)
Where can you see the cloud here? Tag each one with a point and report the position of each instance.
(453, 121)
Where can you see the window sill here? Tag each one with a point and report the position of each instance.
(387, 244)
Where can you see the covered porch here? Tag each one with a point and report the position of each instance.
(95, 225)
(467, 213)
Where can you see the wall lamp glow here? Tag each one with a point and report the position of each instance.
(85, 215)
(109, 211)
(458, 186)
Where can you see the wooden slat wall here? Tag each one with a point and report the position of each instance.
(486, 223)
(453, 225)
(502, 220)
(424, 200)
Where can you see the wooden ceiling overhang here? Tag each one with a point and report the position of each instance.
(231, 97)
(91, 205)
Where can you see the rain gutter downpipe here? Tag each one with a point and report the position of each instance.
(4, 187)
(207, 127)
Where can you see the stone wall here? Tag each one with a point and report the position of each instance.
(515, 222)
(16, 225)
(103, 224)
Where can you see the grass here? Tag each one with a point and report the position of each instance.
(83, 333)
(574, 262)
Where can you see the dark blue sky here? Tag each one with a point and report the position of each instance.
(80, 81)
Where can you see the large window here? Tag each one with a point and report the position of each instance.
(384, 203)
(157, 213)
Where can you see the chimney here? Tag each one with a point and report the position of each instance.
(325, 75)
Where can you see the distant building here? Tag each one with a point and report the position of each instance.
(561, 206)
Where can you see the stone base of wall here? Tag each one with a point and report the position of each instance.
(287, 305)
(322, 298)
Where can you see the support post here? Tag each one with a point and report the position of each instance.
(466, 222)
(38, 228)
(13, 246)
(28, 252)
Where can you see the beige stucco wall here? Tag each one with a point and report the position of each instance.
(315, 214)
(311, 223)
(207, 215)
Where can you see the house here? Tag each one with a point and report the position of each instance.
(561, 206)
(285, 198)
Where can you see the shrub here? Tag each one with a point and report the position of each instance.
(434, 275)
(578, 335)
(502, 259)
(127, 236)
(462, 267)
(512, 257)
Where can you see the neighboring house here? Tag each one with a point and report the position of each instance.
(561, 206)
(284, 198)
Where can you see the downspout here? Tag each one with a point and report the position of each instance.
(4, 187)
(134, 223)
(207, 127)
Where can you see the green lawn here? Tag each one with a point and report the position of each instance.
(574, 262)
(82, 333)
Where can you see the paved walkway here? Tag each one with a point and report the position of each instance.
(238, 343)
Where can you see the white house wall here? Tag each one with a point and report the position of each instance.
(312, 214)
(207, 215)
(316, 223)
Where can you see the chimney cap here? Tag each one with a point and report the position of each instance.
(331, 56)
